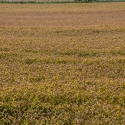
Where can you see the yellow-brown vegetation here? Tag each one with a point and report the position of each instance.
(62, 64)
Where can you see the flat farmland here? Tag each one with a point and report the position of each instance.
(62, 64)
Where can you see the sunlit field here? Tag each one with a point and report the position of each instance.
(62, 64)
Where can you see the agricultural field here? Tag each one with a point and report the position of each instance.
(62, 64)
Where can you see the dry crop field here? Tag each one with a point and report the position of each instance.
(62, 64)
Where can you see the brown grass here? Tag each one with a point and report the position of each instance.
(62, 64)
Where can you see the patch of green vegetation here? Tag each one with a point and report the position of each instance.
(30, 61)
(8, 55)
(36, 79)
(89, 54)
(118, 52)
